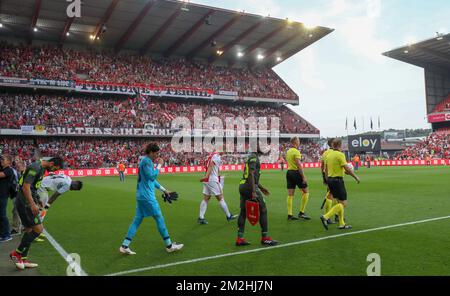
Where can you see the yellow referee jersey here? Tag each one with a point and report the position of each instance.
(291, 156)
(335, 161)
(325, 153)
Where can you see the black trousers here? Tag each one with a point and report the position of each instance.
(245, 194)
(4, 222)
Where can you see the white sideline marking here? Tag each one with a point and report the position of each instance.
(275, 247)
(62, 252)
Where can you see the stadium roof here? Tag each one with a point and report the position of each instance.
(431, 54)
(164, 27)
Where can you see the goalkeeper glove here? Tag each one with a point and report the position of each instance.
(169, 197)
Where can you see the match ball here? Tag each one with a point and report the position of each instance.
(350, 165)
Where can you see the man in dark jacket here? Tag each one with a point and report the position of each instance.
(6, 180)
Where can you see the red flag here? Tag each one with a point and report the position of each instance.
(252, 209)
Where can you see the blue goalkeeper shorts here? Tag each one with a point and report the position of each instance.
(144, 208)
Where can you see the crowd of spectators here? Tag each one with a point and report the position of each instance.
(53, 110)
(442, 106)
(98, 111)
(444, 131)
(51, 62)
(311, 152)
(435, 146)
(102, 152)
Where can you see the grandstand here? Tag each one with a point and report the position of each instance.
(433, 55)
(119, 74)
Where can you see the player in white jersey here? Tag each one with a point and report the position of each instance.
(58, 184)
(213, 186)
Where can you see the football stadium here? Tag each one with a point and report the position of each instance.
(156, 138)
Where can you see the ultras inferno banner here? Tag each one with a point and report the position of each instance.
(100, 131)
(104, 131)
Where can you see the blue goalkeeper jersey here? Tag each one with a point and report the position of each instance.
(147, 181)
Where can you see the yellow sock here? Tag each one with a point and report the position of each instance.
(341, 216)
(290, 200)
(327, 206)
(337, 209)
(305, 198)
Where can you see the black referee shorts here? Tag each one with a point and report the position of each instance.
(26, 215)
(337, 188)
(294, 179)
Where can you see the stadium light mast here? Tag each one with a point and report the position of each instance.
(34, 18)
(184, 6)
(105, 18)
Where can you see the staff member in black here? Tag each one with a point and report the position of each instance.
(251, 189)
(6, 179)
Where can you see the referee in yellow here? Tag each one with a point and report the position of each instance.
(328, 200)
(295, 177)
(335, 166)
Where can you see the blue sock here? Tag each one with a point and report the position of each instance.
(132, 230)
(163, 229)
(126, 242)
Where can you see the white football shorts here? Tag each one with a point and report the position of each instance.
(212, 188)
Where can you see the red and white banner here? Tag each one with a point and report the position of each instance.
(142, 89)
(415, 162)
(439, 117)
(104, 172)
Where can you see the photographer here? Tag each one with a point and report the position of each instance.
(6, 181)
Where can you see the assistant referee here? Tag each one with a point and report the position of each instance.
(295, 177)
(335, 166)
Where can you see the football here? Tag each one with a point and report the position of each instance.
(350, 165)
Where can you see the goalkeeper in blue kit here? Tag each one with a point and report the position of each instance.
(147, 205)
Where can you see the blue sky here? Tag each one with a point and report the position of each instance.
(344, 74)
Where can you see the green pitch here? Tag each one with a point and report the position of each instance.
(93, 223)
